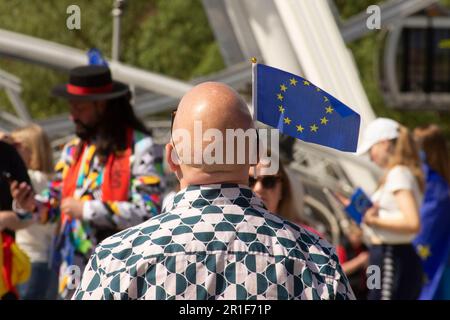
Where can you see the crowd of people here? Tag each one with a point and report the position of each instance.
(227, 231)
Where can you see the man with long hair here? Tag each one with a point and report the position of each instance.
(107, 179)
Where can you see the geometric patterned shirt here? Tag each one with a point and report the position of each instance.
(216, 242)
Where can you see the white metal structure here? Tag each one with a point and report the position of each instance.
(391, 13)
(62, 57)
(11, 85)
(301, 37)
(410, 100)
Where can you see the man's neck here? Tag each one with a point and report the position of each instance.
(196, 176)
(184, 184)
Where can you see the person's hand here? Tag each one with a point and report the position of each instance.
(371, 215)
(23, 195)
(363, 258)
(345, 201)
(72, 207)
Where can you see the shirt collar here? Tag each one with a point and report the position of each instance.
(198, 196)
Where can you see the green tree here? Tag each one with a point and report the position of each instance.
(169, 37)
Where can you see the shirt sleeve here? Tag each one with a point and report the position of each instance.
(399, 178)
(342, 288)
(91, 283)
(144, 201)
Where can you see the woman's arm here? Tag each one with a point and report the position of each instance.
(10, 220)
(410, 221)
(355, 264)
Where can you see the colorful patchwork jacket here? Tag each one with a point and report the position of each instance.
(103, 217)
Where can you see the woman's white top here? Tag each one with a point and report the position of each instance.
(36, 239)
(398, 178)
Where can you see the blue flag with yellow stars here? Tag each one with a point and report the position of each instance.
(433, 242)
(359, 203)
(298, 108)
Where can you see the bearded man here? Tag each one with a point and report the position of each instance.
(107, 179)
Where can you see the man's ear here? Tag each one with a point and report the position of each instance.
(172, 158)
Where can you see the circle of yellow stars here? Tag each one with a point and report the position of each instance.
(280, 97)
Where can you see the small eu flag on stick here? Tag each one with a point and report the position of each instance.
(359, 203)
(300, 109)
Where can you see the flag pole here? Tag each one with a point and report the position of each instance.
(254, 102)
(254, 84)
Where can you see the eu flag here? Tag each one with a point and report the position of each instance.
(359, 203)
(95, 57)
(433, 242)
(301, 110)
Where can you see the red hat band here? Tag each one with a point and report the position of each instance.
(82, 91)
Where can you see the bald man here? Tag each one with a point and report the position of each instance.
(217, 240)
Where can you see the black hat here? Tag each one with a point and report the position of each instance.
(89, 83)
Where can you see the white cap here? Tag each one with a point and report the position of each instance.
(378, 130)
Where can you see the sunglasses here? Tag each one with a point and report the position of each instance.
(268, 182)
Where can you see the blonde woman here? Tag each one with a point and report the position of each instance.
(281, 194)
(393, 222)
(34, 147)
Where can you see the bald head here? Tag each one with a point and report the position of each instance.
(216, 105)
(205, 113)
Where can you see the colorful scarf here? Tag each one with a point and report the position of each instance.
(73, 234)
